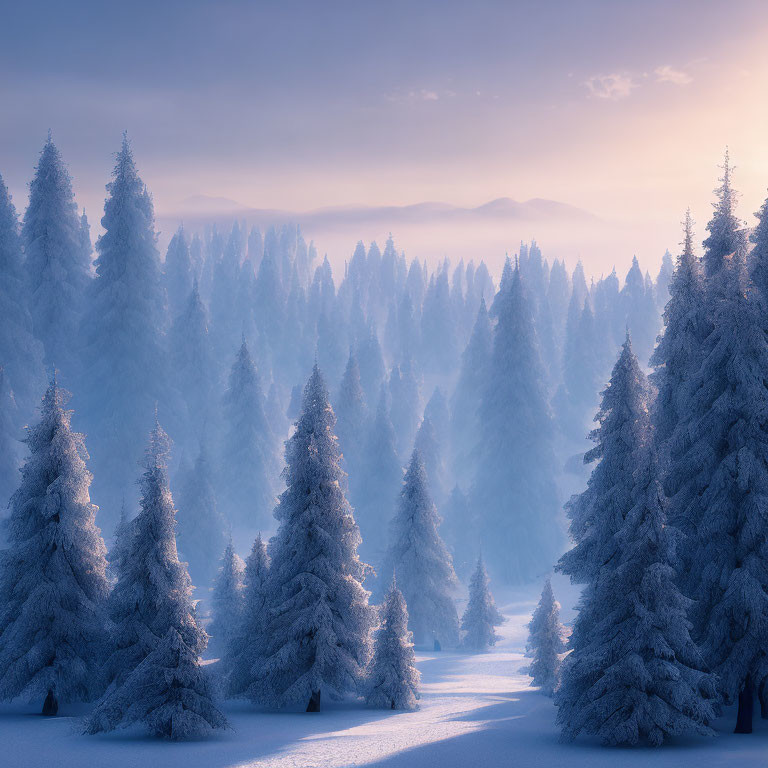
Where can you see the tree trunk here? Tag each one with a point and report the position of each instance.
(763, 695)
(50, 705)
(438, 647)
(314, 702)
(746, 705)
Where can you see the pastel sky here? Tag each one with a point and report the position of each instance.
(620, 108)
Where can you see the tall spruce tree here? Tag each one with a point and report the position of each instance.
(178, 273)
(248, 641)
(153, 593)
(124, 374)
(725, 235)
(53, 584)
(21, 354)
(481, 616)
(375, 487)
(58, 270)
(422, 563)
(194, 371)
(227, 601)
(201, 525)
(719, 481)
(248, 460)
(546, 642)
(318, 634)
(677, 355)
(514, 488)
(465, 403)
(634, 673)
(351, 416)
(394, 680)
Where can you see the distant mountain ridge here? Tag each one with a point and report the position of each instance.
(205, 209)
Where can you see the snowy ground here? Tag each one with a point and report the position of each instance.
(475, 710)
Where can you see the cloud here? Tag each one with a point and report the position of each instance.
(615, 86)
(667, 74)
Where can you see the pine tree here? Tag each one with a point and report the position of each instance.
(677, 356)
(465, 403)
(194, 371)
(9, 443)
(153, 593)
(58, 270)
(248, 460)
(725, 235)
(394, 680)
(178, 274)
(634, 672)
(546, 642)
(168, 692)
(124, 374)
(405, 405)
(375, 487)
(21, 354)
(350, 416)
(640, 311)
(481, 614)
(759, 254)
(227, 600)
(121, 545)
(422, 563)
(430, 450)
(597, 513)
(201, 525)
(318, 635)
(53, 584)
(513, 489)
(719, 484)
(248, 643)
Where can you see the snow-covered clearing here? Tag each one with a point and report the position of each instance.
(476, 710)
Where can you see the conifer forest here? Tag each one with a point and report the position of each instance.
(297, 470)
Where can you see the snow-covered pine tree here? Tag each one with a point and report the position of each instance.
(371, 363)
(725, 234)
(247, 642)
(597, 513)
(351, 416)
(634, 672)
(201, 525)
(168, 692)
(677, 355)
(58, 270)
(720, 483)
(422, 563)
(9, 443)
(481, 615)
(124, 371)
(53, 584)
(121, 545)
(318, 634)
(405, 408)
(546, 642)
(153, 592)
(466, 399)
(194, 371)
(21, 354)
(431, 452)
(177, 273)
(226, 601)
(375, 488)
(248, 460)
(514, 489)
(394, 680)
